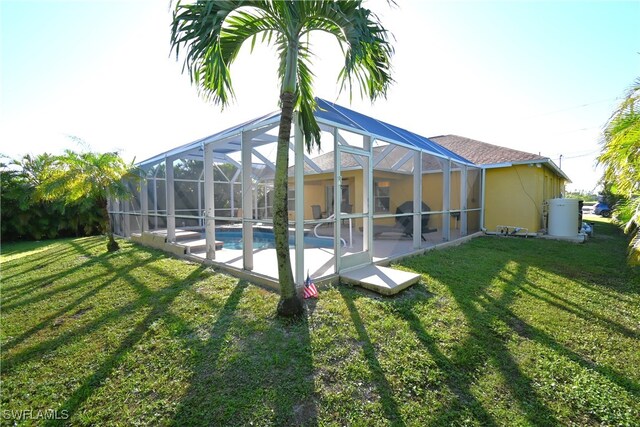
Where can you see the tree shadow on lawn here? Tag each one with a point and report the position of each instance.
(111, 274)
(484, 311)
(482, 317)
(158, 303)
(482, 346)
(251, 370)
(45, 279)
(457, 377)
(9, 249)
(39, 262)
(92, 382)
(564, 304)
(246, 369)
(385, 391)
(599, 264)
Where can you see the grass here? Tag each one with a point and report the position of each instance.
(501, 331)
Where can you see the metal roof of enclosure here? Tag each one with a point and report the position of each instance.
(346, 118)
(213, 197)
(328, 113)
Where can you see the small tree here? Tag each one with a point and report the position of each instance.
(73, 176)
(212, 34)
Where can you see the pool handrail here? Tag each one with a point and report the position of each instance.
(344, 242)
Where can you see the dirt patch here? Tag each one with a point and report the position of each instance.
(76, 315)
(519, 327)
(80, 312)
(305, 412)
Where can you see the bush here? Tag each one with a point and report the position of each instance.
(24, 217)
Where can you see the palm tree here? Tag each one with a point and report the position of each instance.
(621, 158)
(212, 33)
(75, 176)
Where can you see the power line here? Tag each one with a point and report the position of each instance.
(575, 130)
(575, 107)
(575, 154)
(590, 153)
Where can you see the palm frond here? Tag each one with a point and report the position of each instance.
(305, 101)
(621, 144)
(212, 33)
(74, 176)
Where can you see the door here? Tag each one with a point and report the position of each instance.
(330, 200)
(353, 220)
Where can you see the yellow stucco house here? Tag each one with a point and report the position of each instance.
(517, 183)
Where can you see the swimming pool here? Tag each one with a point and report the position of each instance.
(264, 239)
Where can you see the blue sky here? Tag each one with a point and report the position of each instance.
(536, 76)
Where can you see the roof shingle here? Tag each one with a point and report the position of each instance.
(482, 153)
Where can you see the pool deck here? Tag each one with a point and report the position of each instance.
(319, 262)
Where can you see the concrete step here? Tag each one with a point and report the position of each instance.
(199, 246)
(383, 280)
(180, 234)
(187, 235)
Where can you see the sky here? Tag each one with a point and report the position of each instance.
(539, 76)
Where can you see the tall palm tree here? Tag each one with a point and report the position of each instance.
(75, 176)
(212, 33)
(621, 157)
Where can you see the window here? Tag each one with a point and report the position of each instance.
(382, 193)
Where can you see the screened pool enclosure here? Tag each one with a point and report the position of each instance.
(371, 192)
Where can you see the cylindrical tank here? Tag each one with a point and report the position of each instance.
(563, 217)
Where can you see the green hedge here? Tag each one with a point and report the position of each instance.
(25, 218)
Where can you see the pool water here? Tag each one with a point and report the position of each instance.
(265, 240)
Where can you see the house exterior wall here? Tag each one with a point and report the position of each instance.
(315, 191)
(454, 190)
(432, 190)
(514, 195)
(401, 191)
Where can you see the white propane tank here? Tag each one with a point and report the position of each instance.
(563, 217)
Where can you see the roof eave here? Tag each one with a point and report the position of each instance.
(545, 161)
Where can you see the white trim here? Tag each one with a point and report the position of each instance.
(547, 162)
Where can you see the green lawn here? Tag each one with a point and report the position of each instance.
(502, 331)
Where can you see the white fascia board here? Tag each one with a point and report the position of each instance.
(497, 165)
(547, 162)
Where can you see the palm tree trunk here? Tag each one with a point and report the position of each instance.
(289, 304)
(112, 245)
